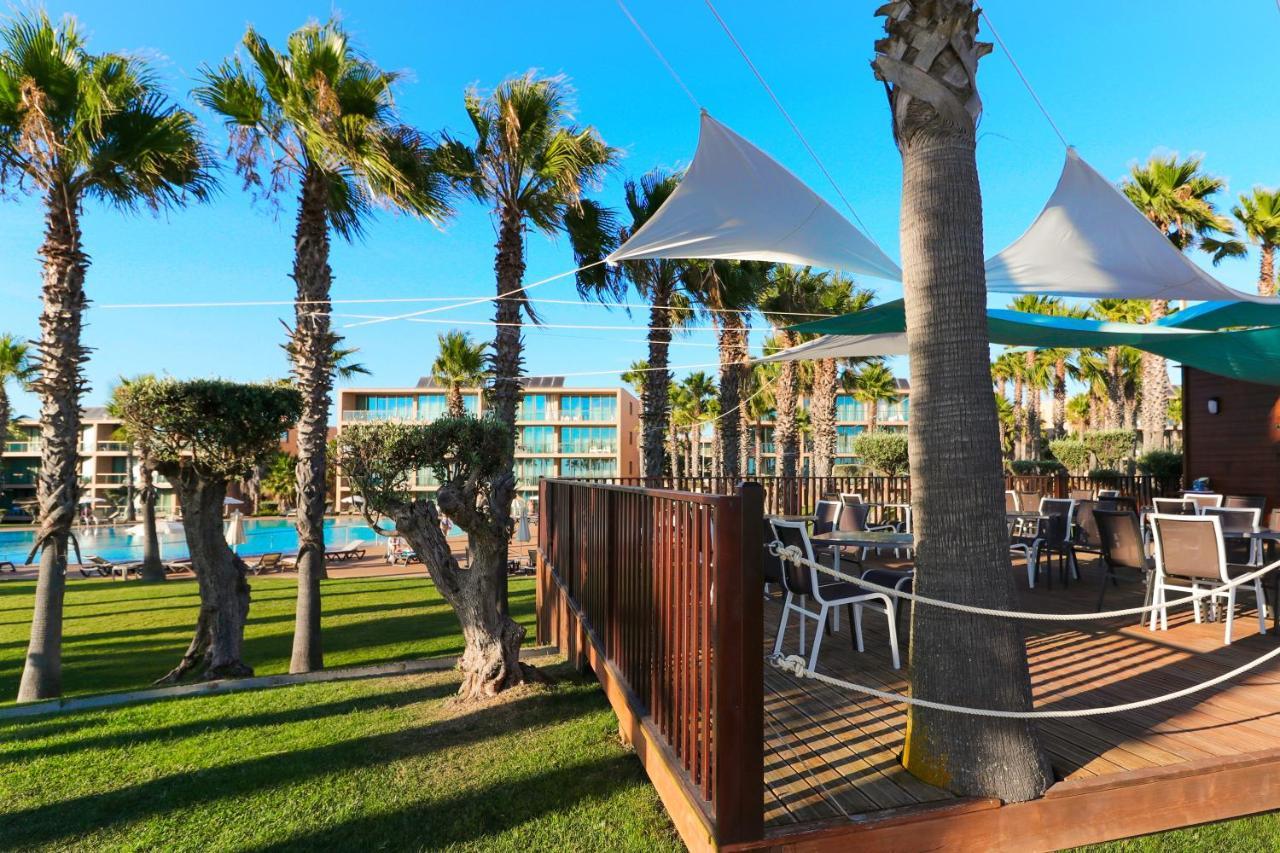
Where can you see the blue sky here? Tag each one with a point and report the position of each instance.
(1121, 79)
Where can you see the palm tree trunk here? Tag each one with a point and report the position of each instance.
(962, 552)
(151, 569)
(1155, 394)
(313, 344)
(873, 414)
(130, 490)
(6, 414)
(1115, 390)
(59, 385)
(657, 385)
(1019, 419)
(824, 417)
(457, 409)
(1267, 270)
(1060, 398)
(744, 441)
(785, 435)
(733, 367)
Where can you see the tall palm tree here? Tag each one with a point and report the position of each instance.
(872, 385)
(18, 367)
(928, 62)
(838, 296)
(460, 364)
(699, 391)
(1078, 413)
(1035, 379)
(660, 283)
(1117, 311)
(1177, 197)
(77, 126)
(790, 293)
(530, 163)
(319, 115)
(759, 405)
(1259, 215)
(726, 291)
(677, 410)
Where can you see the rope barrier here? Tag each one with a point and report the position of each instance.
(795, 665)
(792, 554)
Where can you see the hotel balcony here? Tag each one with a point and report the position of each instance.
(113, 447)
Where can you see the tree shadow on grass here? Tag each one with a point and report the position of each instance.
(76, 817)
(477, 815)
(219, 722)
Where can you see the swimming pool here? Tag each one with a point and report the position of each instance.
(263, 535)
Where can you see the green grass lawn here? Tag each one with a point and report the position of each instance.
(123, 636)
(376, 764)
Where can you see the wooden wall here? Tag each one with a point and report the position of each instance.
(1238, 449)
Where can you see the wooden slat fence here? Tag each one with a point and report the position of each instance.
(659, 592)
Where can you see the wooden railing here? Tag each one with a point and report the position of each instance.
(659, 592)
(794, 495)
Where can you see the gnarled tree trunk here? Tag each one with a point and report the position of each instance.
(928, 62)
(313, 344)
(59, 385)
(216, 644)
(151, 569)
(824, 417)
(508, 362)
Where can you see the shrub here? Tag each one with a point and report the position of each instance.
(884, 453)
(1073, 453)
(844, 470)
(1024, 467)
(1106, 476)
(1112, 446)
(1161, 464)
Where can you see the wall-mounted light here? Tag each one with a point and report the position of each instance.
(1215, 405)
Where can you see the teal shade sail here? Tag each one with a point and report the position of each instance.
(1212, 316)
(1252, 355)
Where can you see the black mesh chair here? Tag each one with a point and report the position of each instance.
(824, 516)
(1175, 506)
(1059, 517)
(1240, 551)
(1120, 541)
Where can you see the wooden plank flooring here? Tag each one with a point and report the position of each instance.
(832, 755)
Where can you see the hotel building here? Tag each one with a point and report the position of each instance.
(560, 432)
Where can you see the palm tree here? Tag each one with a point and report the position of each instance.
(676, 418)
(637, 376)
(699, 391)
(928, 62)
(530, 163)
(1177, 197)
(1116, 311)
(459, 365)
(1004, 414)
(872, 385)
(1259, 215)
(760, 404)
(726, 291)
(839, 296)
(659, 282)
(17, 366)
(76, 126)
(789, 292)
(1078, 413)
(321, 114)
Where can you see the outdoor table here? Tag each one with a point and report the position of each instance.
(840, 539)
(1258, 538)
(796, 517)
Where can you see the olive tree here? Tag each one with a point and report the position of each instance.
(203, 434)
(469, 458)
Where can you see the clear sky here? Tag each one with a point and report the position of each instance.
(1121, 79)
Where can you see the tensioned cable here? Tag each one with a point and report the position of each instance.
(592, 326)
(478, 301)
(794, 127)
(1025, 82)
(658, 53)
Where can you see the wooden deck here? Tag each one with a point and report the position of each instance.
(831, 756)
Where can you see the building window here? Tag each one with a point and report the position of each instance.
(378, 407)
(849, 409)
(537, 439)
(588, 440)
(583, 407)
(845, 436)
(532, 407)
(573, 467)
(529, 471)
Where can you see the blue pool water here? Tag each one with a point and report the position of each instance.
(262, 535)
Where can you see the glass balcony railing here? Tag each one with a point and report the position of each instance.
(537, 447)
(589, 448)
(22, 447)
(113, 446)
(113, 479)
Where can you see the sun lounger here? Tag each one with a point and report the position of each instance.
(8, 565)
(353, 551)
(405, 557)
(95, 566)
(123, 570)
(273, 562)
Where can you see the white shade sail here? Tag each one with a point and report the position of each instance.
(736, 202)
(842, 346)
(1090, 241)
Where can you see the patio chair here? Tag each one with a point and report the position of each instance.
(1108, 493)
(824, 517)
(1025, 539)
(1190, 554)
(95, 566)
(1175, 506)
(1028, 501)
(1085, 535)
(1203, 499)
(853, 519)
(773, 567)
(1238, 520)
(850, 498)
(1121, 542)
(1258, 502)
(273, 562)
(1080, 495)
(1058, 526)
(1011, 501)
(805, 582)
